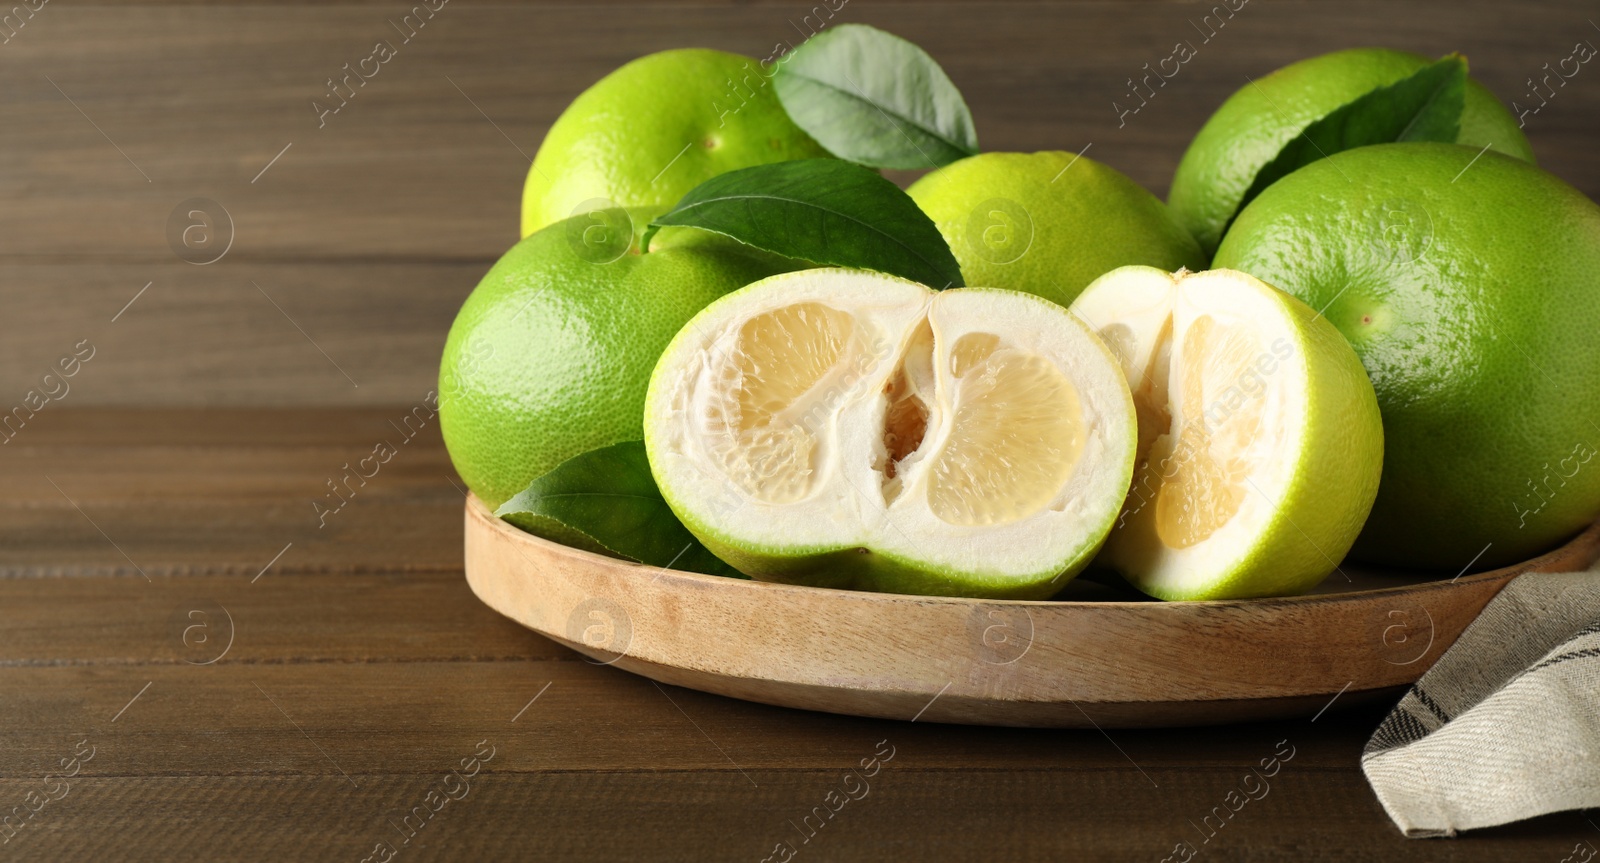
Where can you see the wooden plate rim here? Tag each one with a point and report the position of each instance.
(1588, 536)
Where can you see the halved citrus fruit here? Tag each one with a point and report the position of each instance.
(1260, 445)
(848, 429)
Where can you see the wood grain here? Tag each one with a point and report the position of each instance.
(716, 815)
(369, 657)
(256, 335)
(590, 718)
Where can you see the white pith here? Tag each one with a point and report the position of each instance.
(850, 501)
(1136, 304)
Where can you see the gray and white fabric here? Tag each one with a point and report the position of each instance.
(1506, 725)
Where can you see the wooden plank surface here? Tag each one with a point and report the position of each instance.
(370, 230)
(239, 711)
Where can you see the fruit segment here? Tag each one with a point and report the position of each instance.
(1016, 436)
(849, 429)
(764, 436)
(1260, 443)
(1204, 491)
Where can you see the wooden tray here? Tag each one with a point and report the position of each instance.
(1092, 658)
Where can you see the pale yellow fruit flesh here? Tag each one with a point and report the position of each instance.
(1016, 435)
(765, 442)
(1206, 477)
(1265, 446)
(1148, 385)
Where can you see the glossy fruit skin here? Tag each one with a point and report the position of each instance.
(1472, 296)
(1049, 223)
(550, 355)
(657, 127)
(1261, 117)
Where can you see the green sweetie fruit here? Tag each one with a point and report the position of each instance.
(1049, 223)
(657, 127)
(1471, 292)
(1264, 115)
(550, 355)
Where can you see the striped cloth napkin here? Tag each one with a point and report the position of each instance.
(1506, 725)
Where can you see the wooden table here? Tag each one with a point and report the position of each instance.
(241, 680)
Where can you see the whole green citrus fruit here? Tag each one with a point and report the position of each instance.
(1471, 292)
(550, 355)
(1049, 223)
(652, 130)
(1264, 115)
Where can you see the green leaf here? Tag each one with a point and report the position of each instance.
(824, 211)
(876, 99)
(1424, 107)
(609, 498)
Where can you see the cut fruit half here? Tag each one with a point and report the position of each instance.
(1260, 445)
(847, 429)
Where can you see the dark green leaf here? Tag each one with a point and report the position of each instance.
(1424, 107)
(824, 211)
(608, 496)
(874, 98)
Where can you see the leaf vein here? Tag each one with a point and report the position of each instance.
(931, 132)
(933, 267)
